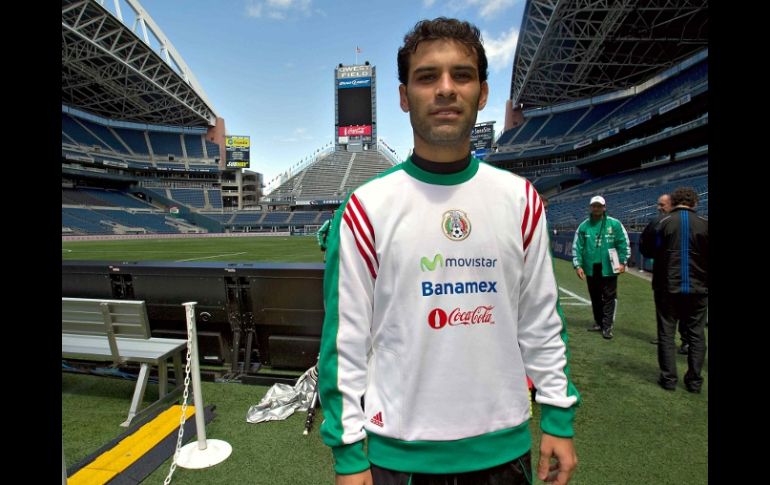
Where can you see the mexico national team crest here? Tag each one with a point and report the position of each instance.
(456, 225)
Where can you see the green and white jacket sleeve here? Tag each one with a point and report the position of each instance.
(577, 249)
(542, 332)
(622, 244)
(346, 341)
(322, 234)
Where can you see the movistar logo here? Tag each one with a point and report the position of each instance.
(425, 263)
(439, 262)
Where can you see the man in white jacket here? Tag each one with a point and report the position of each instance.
(441, 299)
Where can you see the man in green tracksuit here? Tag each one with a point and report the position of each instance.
(323, 234)
(595, 239)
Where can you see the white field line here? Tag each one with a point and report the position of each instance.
(582, 300)
(207, 257)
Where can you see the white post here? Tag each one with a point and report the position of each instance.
(205, 453)
(195, 375)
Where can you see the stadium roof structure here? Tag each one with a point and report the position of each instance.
(576, 49)
(110, 71)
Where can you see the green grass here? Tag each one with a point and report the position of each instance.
(233, 249)
(628, 430)
(275, 452)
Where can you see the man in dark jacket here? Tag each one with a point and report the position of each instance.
(664, 207)
(680, 282)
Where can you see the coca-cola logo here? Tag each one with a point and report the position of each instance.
(438, 318)
(355, 130)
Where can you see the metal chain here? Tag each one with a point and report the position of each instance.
(184, 404)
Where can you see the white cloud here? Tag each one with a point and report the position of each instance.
(490, 7)
(280, 9)
(486, 8)
(299, 134)
(254, 10)
(500, 50)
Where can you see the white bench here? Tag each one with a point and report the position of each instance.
(118, 331)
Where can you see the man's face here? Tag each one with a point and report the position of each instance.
(443, 94)
(597, 210)
(664, 204)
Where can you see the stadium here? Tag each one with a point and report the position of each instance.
(162, 205)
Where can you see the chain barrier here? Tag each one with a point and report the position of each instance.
(185, 395)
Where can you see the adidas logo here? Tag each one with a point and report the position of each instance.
(377, 419)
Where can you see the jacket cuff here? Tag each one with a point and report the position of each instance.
(557, 421)
(350, 458)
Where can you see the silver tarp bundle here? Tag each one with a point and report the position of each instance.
(282, 400)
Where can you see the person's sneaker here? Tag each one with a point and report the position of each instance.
(666, 386)
(684, 349)
(607, 333)
(654, 342)
(594, 328)
(692, 383)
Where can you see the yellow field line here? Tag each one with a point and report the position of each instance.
(130, 449)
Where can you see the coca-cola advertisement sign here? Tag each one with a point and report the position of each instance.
(361, 130)
(438, 318)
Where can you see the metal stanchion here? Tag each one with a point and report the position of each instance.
(313, 400)
(203, 453)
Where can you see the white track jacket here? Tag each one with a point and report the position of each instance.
(440, 300)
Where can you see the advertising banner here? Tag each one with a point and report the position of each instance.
(613, 131)
(356, 82)
(583, 143)
(237, 149)
(482, 136)
(361, 130)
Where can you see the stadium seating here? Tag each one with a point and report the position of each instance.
(599, 116)
(214, 197)
(631, 196)
(101, 197)
(529, 129)
(333, 176)
(105, 134)
(212, 149)
(189, 197)
(134, 139)
(164, 144)
(561, 123)
(79, 134)
(194, 146)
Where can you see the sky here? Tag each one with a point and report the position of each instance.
(267, 66)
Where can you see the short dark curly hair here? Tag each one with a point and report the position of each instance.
(442, 28)
(684, 196)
